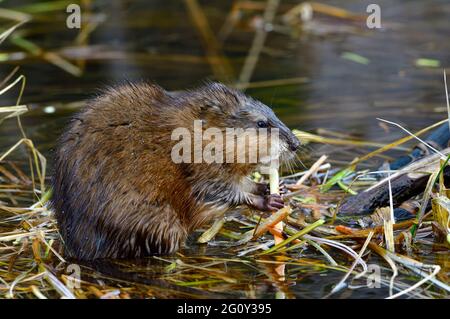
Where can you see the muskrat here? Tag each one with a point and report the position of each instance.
(117, 193)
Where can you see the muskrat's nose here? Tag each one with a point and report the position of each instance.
(294, 145)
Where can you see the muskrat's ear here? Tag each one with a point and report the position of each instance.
(218, 98)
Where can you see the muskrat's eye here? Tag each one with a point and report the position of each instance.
(262, 124)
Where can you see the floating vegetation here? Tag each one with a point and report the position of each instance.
(313, 238)
(355, 58)
(428, 63)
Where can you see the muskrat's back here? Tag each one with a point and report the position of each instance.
(106, 163)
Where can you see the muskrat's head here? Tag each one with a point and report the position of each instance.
(252, 125)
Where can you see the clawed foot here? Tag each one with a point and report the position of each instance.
(268, 203)
(264, 189)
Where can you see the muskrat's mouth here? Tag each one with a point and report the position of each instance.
(280, 154)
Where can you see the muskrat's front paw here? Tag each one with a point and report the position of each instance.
(268, 203)
(281, 188)
(262, 189)
(274, 202)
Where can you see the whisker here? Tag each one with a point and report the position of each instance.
(292, 166)
(289, 166)
(300, 161)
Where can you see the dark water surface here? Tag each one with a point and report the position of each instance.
(156, 40)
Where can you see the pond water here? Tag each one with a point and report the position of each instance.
(157, 41)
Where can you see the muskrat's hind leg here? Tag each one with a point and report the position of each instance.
(145, 230)
(164, 232)
(151, 230)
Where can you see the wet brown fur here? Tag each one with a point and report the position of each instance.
(117, 192)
